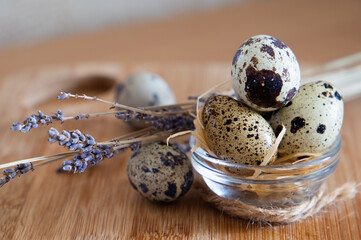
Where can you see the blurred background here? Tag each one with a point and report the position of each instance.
(37, 35)
(29, 21)
(38, 32)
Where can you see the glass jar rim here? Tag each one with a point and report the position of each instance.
(326, 156)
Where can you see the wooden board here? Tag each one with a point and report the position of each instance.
(100, 203)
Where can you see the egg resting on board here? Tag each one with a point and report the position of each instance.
(160, 172)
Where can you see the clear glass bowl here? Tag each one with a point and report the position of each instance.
(266, 186)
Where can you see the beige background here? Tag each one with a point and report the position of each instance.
(29, 21)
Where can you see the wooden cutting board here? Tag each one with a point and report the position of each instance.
(100, 203)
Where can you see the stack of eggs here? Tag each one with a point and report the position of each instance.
(266, 79)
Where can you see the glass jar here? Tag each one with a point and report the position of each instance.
(266, 186)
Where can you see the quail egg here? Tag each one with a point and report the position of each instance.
(160, 172)
(144, 89)
(265, 73)
(313, 119)
(235, 132)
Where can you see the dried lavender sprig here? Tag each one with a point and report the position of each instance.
(172, 106)
(35, 120)
(73, 140)
(82, 161)
(83, 116)
(177, 123)
(11, 173)
(22, 167)
(106, 150)
(175, 109)
(166, 118)
(37, 159)
(64, 95)
(86, 153)
(90, 153)
(180, 122)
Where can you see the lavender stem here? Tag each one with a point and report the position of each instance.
(36, 159)
(114, 104)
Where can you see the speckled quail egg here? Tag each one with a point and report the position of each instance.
(160, 172)
(265, 73)
(236, 133)
(313, 119)
(144, 89)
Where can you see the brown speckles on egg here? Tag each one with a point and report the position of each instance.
(254, 60)
(263, 87)
(278, 43)
(285, 74)
(160, 172)
(338, 96)
(143, 188)
(172, 190)
(268, 56)
(296, 124)
(188, 180)
(321, 129)
(248, 42)
(313, 120)
(327, 85)
(227, 139)
(268, 49)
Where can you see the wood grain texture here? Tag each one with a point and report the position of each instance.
(101, 204)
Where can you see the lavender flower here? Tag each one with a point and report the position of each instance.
(135, 146)
(90, 152)
(63, 96)
(35, 120)
(73, 140)
(11, 173)
(81, 116)
(58, 116)
(82, 161)
(171, 122)
(192, 97)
